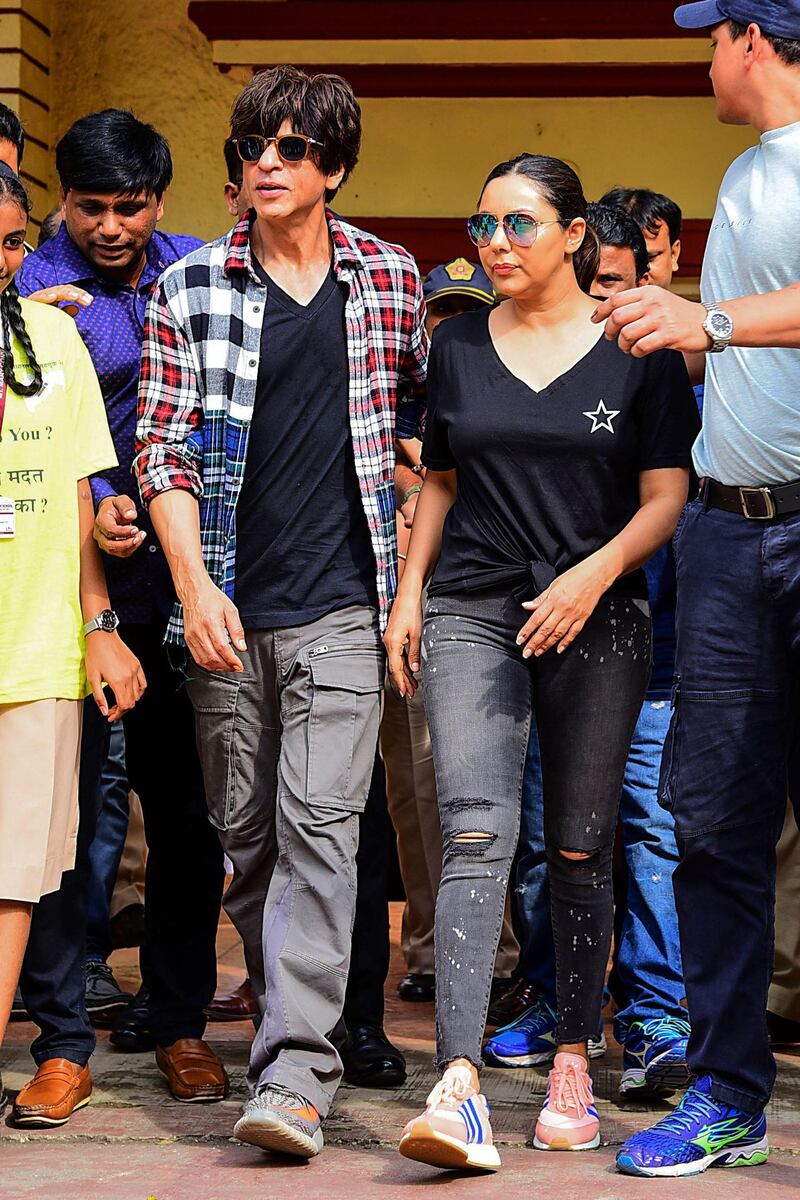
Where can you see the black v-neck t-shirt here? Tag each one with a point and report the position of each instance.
(545, 478)
(303, 547)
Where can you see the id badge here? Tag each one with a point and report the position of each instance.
(8, 518)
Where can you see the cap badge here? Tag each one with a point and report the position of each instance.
(459, 269)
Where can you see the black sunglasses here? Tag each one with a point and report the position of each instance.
(291, 147)
(520, 228)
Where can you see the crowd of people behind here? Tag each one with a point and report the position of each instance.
(293, 544)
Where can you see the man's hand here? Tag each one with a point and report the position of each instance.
(114, 530)
(408, 510)
(108, 660)
(211, 624)
(650, 318)
(65, 293)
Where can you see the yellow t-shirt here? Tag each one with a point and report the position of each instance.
(49, 441)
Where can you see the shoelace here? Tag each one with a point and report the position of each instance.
(693, 1107)
(529, 1020)
(572, 1089)
(101, 970)
(454, 1087)
(674, 1025)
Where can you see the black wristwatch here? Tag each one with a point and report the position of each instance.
(107, 620)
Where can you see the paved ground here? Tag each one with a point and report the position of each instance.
(133, 1142)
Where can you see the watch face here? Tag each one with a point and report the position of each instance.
(107, 620)
(721, 324)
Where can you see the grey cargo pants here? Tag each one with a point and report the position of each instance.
(287, 748)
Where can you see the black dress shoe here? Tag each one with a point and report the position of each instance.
(370, 1059)
(417, 987)
(514, 998)
(131, 1030)
(783, 1031)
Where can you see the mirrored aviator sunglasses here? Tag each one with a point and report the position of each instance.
(520, 228)
(291, 147)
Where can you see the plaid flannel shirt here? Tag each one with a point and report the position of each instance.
(197, 388)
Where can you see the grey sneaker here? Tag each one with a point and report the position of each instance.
(104, 997)
(280, 1120)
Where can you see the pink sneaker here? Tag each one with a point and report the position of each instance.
(568, 1120)
(454, 1131)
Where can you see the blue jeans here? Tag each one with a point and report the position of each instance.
(105, 851)
(648, 962)
(724, 777)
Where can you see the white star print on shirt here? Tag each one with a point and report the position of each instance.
(602, 417)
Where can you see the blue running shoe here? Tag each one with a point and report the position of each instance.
(700, 1133)
(654, 1057)
(526, 1042)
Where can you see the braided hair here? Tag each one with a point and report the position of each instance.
(11, 319)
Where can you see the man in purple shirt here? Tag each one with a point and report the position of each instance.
(103, 264)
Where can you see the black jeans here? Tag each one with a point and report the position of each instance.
(479, 693)
(185, 868)
(724, 777)
(53, 979)
(369, 957)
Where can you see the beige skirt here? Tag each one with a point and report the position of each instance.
(39, 758)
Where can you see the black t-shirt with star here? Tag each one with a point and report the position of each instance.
(545, 478)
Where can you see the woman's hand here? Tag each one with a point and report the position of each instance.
(402, 642)
(560, 612)
(108, 660)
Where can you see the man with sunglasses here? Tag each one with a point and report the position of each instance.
(280, 364)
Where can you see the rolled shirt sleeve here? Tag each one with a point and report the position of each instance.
(170, 415)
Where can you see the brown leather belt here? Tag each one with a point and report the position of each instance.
(755, 503)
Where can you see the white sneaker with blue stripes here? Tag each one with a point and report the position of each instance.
(454, 1131)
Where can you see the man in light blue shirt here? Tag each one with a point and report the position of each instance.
(738, 564)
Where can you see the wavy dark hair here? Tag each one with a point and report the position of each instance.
(11, 319)
(321, 106)
(563, 190)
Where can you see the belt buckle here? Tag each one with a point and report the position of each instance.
(764, 496)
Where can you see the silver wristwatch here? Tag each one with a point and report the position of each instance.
(107, 620)
(719, 327)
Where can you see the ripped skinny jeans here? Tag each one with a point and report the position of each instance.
(479, 694)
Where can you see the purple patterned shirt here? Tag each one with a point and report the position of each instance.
(112, 327)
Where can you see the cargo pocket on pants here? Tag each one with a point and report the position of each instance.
(343, 725)
(214, 701)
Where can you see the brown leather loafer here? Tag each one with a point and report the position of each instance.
(240, 1005)
(57, 1089)
(193, 1071)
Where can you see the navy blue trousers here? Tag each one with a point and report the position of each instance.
(724, 779)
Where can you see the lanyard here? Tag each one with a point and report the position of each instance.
(2, 390)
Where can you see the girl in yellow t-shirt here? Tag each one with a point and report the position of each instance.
(53, 435)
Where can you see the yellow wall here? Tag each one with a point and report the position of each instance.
(420, 158)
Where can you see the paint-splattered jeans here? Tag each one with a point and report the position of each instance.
(479, 693)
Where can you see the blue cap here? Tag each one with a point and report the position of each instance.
(458, 278)
(781, 18)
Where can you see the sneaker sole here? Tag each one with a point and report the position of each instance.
(270, 1133)
(596, 1050)
(37, 1122)
(634, 1086)
(435, 1149)
(561, 1143)
(746, 1156)
(518, 1060)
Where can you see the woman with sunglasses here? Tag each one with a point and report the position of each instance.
(557, 465)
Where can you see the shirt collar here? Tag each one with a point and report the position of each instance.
(72, 266)
(238, 256)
